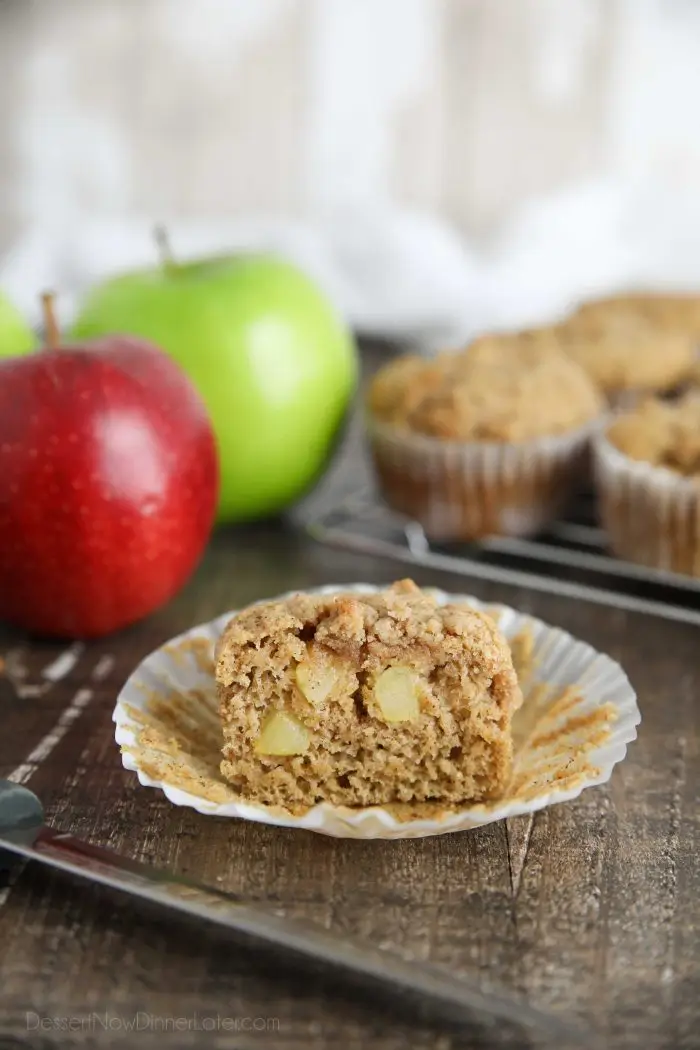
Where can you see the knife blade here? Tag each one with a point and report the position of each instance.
(459, 997)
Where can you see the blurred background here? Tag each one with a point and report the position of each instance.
(441, 166)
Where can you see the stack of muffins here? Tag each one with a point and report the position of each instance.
(495, 438)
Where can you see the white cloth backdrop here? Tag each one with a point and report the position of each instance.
(441, 166)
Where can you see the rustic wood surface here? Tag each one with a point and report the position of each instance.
(591, 909)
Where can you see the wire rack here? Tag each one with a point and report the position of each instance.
(569, 559)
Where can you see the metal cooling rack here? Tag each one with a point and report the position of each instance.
(568, 559)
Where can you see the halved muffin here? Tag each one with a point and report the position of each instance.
(365, 700)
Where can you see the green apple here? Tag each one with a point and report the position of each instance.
(274, 362)
(16, 337)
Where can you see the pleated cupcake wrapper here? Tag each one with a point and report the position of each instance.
(466, 491)
(578, 716)
(651, 514)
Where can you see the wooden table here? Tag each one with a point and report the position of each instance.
(591, 909)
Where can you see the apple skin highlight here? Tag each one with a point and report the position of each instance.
(109, 483)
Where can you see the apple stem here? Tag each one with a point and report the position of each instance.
(53, 335)
(167, 260)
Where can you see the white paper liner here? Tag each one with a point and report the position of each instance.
(469, 490)
(578, 716)
(651, 514)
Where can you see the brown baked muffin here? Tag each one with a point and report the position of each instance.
(362, 700)
(648, 476)
(677, 311)
(487, 440)
(633, 346)
(693, 384)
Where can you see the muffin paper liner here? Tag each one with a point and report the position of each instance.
(651, 514)
(469, 490)
(578, 715)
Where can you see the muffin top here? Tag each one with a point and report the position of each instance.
(504, 387)
(672, 311)
(400, 622)
(663, 433)
(623, 350)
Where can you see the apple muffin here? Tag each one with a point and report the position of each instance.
(672, 311)
(491, 439)
(365, 699)
(648, 478)
(628, 355)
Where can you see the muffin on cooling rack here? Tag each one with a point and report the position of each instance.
(635, 345)
(365, 699)
(678, 311)
(487, 440)
(647, 465)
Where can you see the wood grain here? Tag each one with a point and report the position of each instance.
(591, 908)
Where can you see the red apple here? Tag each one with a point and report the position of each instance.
(109, 483)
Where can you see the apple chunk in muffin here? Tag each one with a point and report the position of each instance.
(365, 699)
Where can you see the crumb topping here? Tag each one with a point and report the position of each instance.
(663, 433)
(500, 388)
(670, 311)
(624, 349)
(399, 618)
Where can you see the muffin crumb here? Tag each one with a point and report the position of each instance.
(361, 700)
